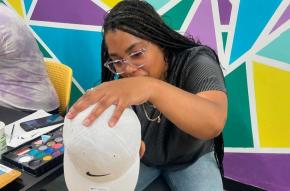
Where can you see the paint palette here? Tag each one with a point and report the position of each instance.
(39, 155)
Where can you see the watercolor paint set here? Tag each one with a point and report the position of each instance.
(39, 155)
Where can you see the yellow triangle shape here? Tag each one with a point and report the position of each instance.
(17, 5)
(111, 3)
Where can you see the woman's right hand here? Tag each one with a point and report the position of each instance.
(122, 93)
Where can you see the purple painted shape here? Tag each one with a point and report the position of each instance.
(267, 171)
(201, 27)
(225, 8)
(69, 11)
(284, 18)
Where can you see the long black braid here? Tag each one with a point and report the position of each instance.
(140, 19)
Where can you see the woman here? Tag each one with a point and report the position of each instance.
(175, 86)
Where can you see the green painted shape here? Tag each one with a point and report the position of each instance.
(225, 37)
(175, 16)
(43, 50)
(75, 94)
(1, 1)
(279, 48)
(238, 130)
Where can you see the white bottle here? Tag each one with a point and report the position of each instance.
(3, 145)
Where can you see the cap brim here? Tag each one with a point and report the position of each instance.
(76, 182)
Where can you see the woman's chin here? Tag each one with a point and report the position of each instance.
(139, 74)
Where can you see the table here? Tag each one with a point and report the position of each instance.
(26, 181)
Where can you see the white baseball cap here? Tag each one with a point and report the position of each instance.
(101, 158)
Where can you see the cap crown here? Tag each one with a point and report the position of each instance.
(99, 150)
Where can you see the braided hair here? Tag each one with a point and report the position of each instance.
(140, 19)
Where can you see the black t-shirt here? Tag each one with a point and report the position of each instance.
(168, 147)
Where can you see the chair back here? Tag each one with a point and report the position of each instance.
(61, 78)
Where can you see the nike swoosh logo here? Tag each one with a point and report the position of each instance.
(97, 175)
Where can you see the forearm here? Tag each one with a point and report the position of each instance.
(200, 117)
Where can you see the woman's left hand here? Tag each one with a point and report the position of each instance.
(122, 93)
(142, 149)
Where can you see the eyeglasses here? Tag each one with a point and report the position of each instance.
(134, 59)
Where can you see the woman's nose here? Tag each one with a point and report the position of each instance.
(131, 68)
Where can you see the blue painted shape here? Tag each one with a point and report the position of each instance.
(78, 49)
(158, 4)
(279, 48)
(27, 4)
(253, 15)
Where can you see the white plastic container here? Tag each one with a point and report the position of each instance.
(3, 145)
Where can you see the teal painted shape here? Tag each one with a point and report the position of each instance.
(43, 50)
(224, 37)
(253, 15)
(158, 4)
(27, 4)
(238, 129)
(78, 49)
(75, 94)
(279, 49)
(175, 16)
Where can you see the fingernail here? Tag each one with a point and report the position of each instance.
(69, 115)
(111, 123)
(86, 122)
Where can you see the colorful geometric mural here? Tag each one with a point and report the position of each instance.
(251, 38)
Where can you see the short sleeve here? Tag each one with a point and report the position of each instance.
(203, 73)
